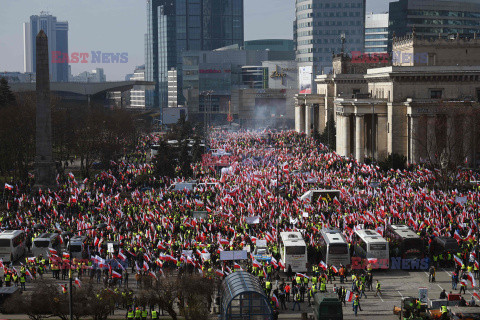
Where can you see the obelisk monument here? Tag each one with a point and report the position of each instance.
(44, 165)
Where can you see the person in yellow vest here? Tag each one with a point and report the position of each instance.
(378, 289)
(323, 287)
(154, 315)
(298, 279)
(144, 314)
(138, 314)
(444, 311)
(22, 281)
(268, 287)
(130, 314)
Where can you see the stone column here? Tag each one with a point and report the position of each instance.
(382, 136)
(346, 121)
(44, 165)
(413, 136)
(359, 138)
(308, 120)
(300, 118)
(431, 139)
(340, 132)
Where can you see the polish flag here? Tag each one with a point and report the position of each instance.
(219, 272)
(66, 255)
(121, 256)
(477, 265)
(281, 264)
(274, 299)
(116, 275)
(28, 273)
(236, 266)
(476, 295)
(457, 236)
(301, 275)
(349, 296)
(8, 187)
(472, 279)
(96, 241)
(78, 283)
(153, 275)
(334, 269)
(458, 260)
(323, 265)
(145, 266)
(256, 264)
(31, 259)
(52, 251)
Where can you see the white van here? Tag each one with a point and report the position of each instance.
(43, 242)
(12, 245)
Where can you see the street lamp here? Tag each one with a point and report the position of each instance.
(100, 226)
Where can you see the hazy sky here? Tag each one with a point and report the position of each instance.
(120, 25)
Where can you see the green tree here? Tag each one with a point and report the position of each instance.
(6, 95)
(165, 161)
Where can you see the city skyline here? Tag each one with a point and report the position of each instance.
(263, 21)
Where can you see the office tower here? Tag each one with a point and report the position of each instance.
(376, 33)
(318, 29)
(434, 19)
(57, 33)
(178, 25)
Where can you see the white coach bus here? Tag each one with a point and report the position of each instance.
(294, 251)
(369, 244)
(334, 248)
(12, 245)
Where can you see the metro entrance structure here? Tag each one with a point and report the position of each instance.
(242, 297)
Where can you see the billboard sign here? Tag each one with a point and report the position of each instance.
(305, 79)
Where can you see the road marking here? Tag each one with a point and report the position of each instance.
(439, 286)
(401, 295)
(447, 272)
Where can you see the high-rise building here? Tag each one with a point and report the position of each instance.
(178, 25)
(376, 33)
(434, 19)
(57, 33)
(319, 28)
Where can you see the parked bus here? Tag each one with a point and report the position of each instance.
(293, 251)
(369, 244)
(334, 248)
(12, 245)
(78, 247)
(43, 242)
(404, 242)
(442, 245)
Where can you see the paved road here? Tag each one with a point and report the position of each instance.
(395, 284)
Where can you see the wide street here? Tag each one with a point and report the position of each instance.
(395, 285)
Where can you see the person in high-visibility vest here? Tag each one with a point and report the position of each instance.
(378, 289)
(22, 281)
(268, 288)
(144, 314)
(130, 315)
(154, 315)
(444, 312)
(356, 304)
(323, 287)
(296, 301)
(138, 314)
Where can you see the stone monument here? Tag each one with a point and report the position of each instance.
(44, 165)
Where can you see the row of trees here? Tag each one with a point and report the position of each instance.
(189, 296)
(87, 133)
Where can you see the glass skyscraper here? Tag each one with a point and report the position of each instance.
(175, 26)
(57, 33)
(434, 18)
(318, 27)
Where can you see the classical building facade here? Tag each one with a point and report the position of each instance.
(425, 106)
